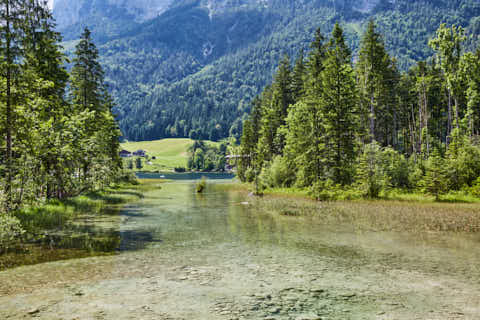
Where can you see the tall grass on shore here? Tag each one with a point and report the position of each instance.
(379, 215)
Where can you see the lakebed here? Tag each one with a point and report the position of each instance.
(223, 254)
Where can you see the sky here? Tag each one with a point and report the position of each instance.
(50, 4)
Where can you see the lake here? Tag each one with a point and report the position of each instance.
(219, 255)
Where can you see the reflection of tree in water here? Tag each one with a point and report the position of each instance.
(80, 238)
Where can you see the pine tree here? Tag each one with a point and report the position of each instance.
(374, 70)
(90, 97)
(11, 32)
(435, 180)
(298, 77)
(272, 140)
(338, 110)
(87, 75)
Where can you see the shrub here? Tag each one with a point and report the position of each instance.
(371, 178)
(475, 189)
(278, 174)
(10, 231)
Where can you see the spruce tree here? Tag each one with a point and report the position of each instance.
(374, 68)
(298, 77)
(91, 100)
(435, 180)
(338, 110)
(11, 33)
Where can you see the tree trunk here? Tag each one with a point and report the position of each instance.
(449, 123)
(8, 118)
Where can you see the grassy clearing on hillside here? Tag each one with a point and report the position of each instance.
(169, 153)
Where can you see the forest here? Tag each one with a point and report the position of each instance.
(59, 136)
(364, 128)
(202, 87)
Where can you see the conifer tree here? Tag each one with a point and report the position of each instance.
(11, 32)
(435, 180)
(373, 68)
(298, 77)
(338, 110)
(91, 100)
(272, 139)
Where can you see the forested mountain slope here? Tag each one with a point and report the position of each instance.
(191, 68)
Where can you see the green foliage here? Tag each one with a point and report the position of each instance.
(435, 180)
(462, 162)
(278, 174)
(371, 176)
(207, 156)
(335, 112)
(397, 168)
(192, 72)
(10, 231)
(52, 147)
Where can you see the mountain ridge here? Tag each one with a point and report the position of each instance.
(192, 70)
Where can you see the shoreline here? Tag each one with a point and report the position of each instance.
(71, 228)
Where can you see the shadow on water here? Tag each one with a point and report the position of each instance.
(98, 234)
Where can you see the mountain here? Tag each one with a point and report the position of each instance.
(190, 68)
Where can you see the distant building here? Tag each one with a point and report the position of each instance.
(140, 153)
(125, 154)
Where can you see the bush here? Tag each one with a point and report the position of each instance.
(396, 167)
(180, 169)
(278, 174)
(371, 177)
(475, 189)
(250, 175)
(10, 231)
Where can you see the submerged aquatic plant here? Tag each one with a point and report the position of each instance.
(201, 185)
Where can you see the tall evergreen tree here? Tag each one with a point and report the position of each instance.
(11, 32)
(448, 45)
(374, 78)
(272, 139)
(338, 108)
(90, 97)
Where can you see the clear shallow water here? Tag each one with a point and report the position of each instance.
(176, 216)
(215, 255)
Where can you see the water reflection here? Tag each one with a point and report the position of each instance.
(175, 217)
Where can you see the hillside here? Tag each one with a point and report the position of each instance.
(192, 69)
(169, 153)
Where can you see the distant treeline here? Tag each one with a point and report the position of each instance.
(327, 123)
(59, 137)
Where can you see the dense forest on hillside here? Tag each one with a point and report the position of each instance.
(191, 72)
(334, 126)
(59, 136)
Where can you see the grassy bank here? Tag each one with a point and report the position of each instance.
(395, 211)
(77, 227)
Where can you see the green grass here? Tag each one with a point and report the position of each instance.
(420, 215)
(169, 153)
(56, 213)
